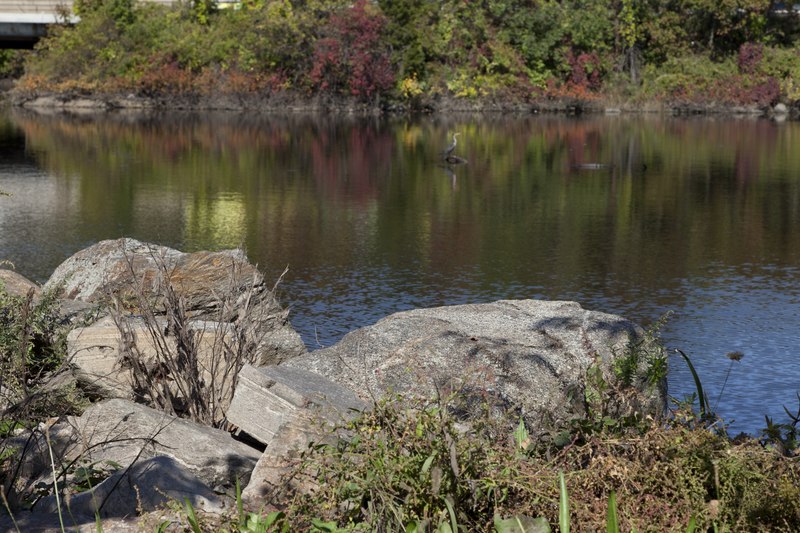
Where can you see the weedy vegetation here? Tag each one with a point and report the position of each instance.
(183, 365)
(416, 466)
(32, 367)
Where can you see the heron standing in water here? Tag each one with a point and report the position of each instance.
(448, 155)
(449, 150)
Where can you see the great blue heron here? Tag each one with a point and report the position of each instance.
(449, 149)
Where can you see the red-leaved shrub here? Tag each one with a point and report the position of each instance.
(351, 59)
(750, 55)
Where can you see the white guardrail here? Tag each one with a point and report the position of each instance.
(45, 7)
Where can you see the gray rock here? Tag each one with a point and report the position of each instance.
(529, 354)
(32, 455)
(125, 267)
(95, 351)
(266, 398)
(17, 284)
(293, 436)
(124, 432)
(143, 487)
(287, 409)
(780, 109)
(37, 522)
(115, 266)
(119, 432)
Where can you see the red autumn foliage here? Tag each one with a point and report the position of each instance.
(585, 74)
(750, 55)
(351, 58)
(165, 76)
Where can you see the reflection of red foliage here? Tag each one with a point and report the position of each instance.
(351, 59)
(355, 171)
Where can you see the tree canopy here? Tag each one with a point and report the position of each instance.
(729, 51)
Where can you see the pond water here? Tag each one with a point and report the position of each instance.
(700, 217)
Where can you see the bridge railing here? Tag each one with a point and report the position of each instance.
(47, 6)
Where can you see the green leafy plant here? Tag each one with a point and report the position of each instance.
(783, 436)
(85, 476)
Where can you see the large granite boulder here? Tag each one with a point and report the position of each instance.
(118, 266)
(526, 354)
(220, 286)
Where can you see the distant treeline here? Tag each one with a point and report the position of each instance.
(728, 52)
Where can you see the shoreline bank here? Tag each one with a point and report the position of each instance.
(290, 103)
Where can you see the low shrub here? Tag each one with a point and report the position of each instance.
(32, 342)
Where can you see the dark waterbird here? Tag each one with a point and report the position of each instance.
(448, 155)
(449, 150)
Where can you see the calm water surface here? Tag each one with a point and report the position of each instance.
(696, 216)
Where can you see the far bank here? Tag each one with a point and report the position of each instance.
(290, 102)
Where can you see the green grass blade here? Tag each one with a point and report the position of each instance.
(704, 408)
(612, 525)
(452, 512)
(273, 518)
(239, 504)
(563, 504)
(192, 517)
(692, 525)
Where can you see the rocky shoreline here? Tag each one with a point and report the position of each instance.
(528, 356)
(293, 103)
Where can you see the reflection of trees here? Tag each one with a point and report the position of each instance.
(676, 195)
(349, 162)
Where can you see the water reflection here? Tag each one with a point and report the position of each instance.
(631, 215)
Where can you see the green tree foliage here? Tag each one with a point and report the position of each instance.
(407, 34)
(120, 11)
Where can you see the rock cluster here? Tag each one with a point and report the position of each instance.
(528, 355)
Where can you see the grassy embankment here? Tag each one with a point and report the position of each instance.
(420, 54)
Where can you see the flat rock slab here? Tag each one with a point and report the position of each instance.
(95, 351)
(144, 487)
(529, 354)
(124, 432)
(266, 398)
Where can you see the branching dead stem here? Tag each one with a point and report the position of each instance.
(193, 367)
